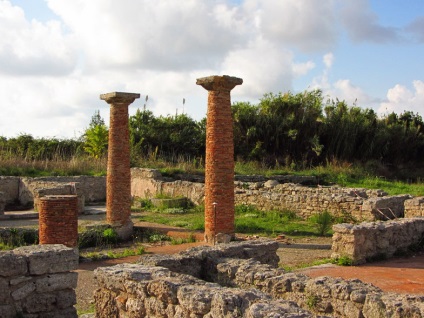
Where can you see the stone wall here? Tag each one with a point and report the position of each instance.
(230, 283)
(376, 240)
(2, 203)
(92, 188)
(280, 193)
(10, 187)
(414, 207)
(147, 183)
(22, 192)
(36, 281)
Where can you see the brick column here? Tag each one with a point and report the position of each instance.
(58, 220)
(118, 180)
(219, 170)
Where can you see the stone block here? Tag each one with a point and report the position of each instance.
(12, 264)
(55, 282)
(48, 259)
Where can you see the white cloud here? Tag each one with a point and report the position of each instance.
(161, 35)
(305, 24)
(400, 98)
(263, 66)
(328, 60)
(33, 48)
(52, 73)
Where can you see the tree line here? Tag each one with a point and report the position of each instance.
(299, 130)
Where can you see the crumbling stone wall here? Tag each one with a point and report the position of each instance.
(414, 207)
(376, 240)
(36, 281)
(2, 203)
(132, 290)
(306, 201)
(147, 183)
(359, 203)
(92, 188)
(235, 285)
(10, 188)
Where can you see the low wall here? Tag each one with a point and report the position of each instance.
(22, 192)
(36, 281)
(224, 285)
(273, 195)
(414, 207)
(306, 201)
(376, 240)
(92, 188)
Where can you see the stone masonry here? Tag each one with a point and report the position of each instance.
(239, 279)
(36, 281)
(414, 207)
(219, 163)
(368, 241)
(118, 183)
(58, 220)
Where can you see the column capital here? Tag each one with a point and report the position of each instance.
(119, 97)
(215, 82)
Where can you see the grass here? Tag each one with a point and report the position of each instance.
(193, 219)
(111, 254)
(81, 165)
(248, 220)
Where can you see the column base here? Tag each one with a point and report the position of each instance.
(219, 238)
(124, 231)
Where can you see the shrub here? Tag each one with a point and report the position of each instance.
(322, 221)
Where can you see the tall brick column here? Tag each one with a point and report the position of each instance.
(219, 174)
(118, 180)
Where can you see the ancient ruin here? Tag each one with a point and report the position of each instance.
(219, 163)
(38, 281)
(239, 279)
(58, 220)
(118, 190)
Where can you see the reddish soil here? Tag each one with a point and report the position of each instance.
(400, 275)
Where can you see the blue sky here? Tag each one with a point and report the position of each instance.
(58, 56)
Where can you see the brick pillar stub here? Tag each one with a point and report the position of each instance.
(58, 220)
(118, 179)
(219, 165)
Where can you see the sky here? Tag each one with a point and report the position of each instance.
(58, 56)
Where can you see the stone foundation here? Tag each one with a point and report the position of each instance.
(36, 281)
(237, 280)
(414, 207)
(377, 240)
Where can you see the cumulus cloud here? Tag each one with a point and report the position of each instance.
(161, 35)
(54, 71)
(305, 24)
(33, 48)
(362, 23)
(400, 98)
(342, 89)
(264, 67)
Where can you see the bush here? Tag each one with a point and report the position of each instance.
(323, 222)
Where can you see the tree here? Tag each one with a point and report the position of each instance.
(96, 137)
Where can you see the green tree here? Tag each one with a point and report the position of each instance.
(96, 137)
